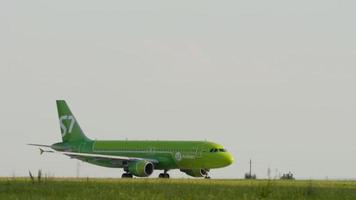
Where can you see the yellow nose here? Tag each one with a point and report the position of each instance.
(228, 159)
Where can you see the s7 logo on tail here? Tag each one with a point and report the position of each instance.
(63, 126)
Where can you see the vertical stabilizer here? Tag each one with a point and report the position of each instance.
(70, 128)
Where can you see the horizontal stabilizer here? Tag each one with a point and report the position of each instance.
(40, 145)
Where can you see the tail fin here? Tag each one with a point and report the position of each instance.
(70, 128)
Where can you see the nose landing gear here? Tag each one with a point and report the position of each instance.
(206, 174)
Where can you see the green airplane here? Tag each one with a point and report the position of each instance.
(137, 158)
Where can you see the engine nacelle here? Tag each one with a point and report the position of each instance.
(141, 168)
(195, 172)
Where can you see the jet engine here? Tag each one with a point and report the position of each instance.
(195, 172)
(141, 168)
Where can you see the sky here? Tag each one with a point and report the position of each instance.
(273, 81)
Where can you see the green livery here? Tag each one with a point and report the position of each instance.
(137, 158)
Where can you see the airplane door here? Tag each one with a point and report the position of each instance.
(152, 150)
(198, 152)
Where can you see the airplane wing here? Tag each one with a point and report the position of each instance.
(103, 156)
(93, 155)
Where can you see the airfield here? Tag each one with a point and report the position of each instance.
(143, 188)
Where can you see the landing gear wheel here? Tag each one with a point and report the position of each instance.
(126, 175)
(163, 175)
(207, 174)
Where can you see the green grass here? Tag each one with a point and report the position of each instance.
(23, 188)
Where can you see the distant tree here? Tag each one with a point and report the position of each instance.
(288, 176)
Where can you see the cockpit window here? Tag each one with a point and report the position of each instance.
(217, 150)
(222, 150)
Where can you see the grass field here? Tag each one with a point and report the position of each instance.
(56, 188)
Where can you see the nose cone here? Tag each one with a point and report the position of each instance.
(228, 159)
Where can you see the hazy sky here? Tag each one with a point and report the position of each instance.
(271, 80)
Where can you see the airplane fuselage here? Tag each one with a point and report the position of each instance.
(169, 154)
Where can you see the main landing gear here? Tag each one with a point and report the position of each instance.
(164, 174)
(126, 175)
